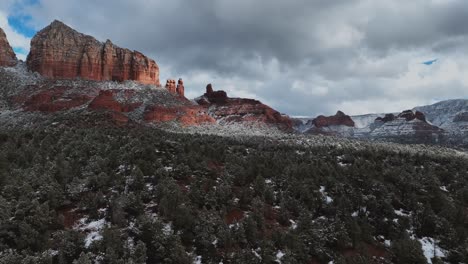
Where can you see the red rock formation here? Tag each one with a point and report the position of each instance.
(408, 115)
(60, 52)
(106, 100)
(7, 55)
(340, 119)
(180, 87)
(215, 97)
(186, 115)
(171, 86)
(239, 110)
(55, 99)
(386, 118)
(209, 88)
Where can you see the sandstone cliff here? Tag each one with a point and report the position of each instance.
(7, 55)
(60, 52)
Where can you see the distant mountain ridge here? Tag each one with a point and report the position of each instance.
(443, 122)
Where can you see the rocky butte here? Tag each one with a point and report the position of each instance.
(60, 52)
(241, 110)
(340, 119)
(339, 124)
(7, 55)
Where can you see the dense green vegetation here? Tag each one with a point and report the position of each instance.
(174, 198)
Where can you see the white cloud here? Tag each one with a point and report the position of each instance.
(16, 39)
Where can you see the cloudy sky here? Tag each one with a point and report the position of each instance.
(303, 57)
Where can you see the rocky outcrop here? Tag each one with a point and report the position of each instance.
(115, 100)
(56, 99)
(212, 97)
(340, 119)
(338, 125)
(180, 90)
(239, 110)
(185, 115)
(386, 118)
(461, 117)
(60, 52)
(408, 115)
(209, 88)
(172, 88)
(7, 55)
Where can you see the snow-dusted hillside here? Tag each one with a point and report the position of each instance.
(365, 121)
(442, 114)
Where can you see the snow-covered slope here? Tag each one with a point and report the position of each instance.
(442, 114)
(451, 116)
(364, 121)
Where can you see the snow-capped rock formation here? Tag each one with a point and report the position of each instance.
(60, 52)
(408, 124)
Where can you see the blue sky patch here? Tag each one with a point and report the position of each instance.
(19, 20)
(21, 25)
(20, 50)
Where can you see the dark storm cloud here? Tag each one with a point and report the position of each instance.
(301, 56)
(416, 24)
(209, 34)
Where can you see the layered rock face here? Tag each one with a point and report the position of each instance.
(239, 110)
(60, 52)
(7, 55)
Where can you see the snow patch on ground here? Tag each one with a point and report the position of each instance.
(400, 212)
(167, 229)
(430, 249)
(279, 256)
(293, 224)
(328, 199)
(256, 253)
(93, 229)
